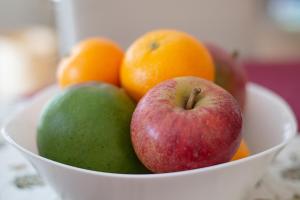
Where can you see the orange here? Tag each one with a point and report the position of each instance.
(94, 59)
(162, 55)
(242, 152)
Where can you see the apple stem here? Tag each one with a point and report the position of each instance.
(235, 54)
(192, 98)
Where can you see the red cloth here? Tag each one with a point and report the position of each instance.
(283, 78)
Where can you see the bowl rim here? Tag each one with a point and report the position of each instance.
(292, 131)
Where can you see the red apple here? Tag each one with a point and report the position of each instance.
(230, 73)
(185, 123)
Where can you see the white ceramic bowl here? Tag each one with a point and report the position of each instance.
(269, 125)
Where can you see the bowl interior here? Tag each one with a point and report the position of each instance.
(268, 120)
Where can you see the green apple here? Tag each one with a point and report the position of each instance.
(88, 126)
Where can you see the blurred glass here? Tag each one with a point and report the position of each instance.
(232, 24)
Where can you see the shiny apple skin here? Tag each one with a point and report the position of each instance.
(167, 137)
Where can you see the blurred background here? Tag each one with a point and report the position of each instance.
(34, 34)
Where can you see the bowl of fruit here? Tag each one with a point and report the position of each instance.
(171, 118)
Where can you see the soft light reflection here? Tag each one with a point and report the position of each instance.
(152, 132)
